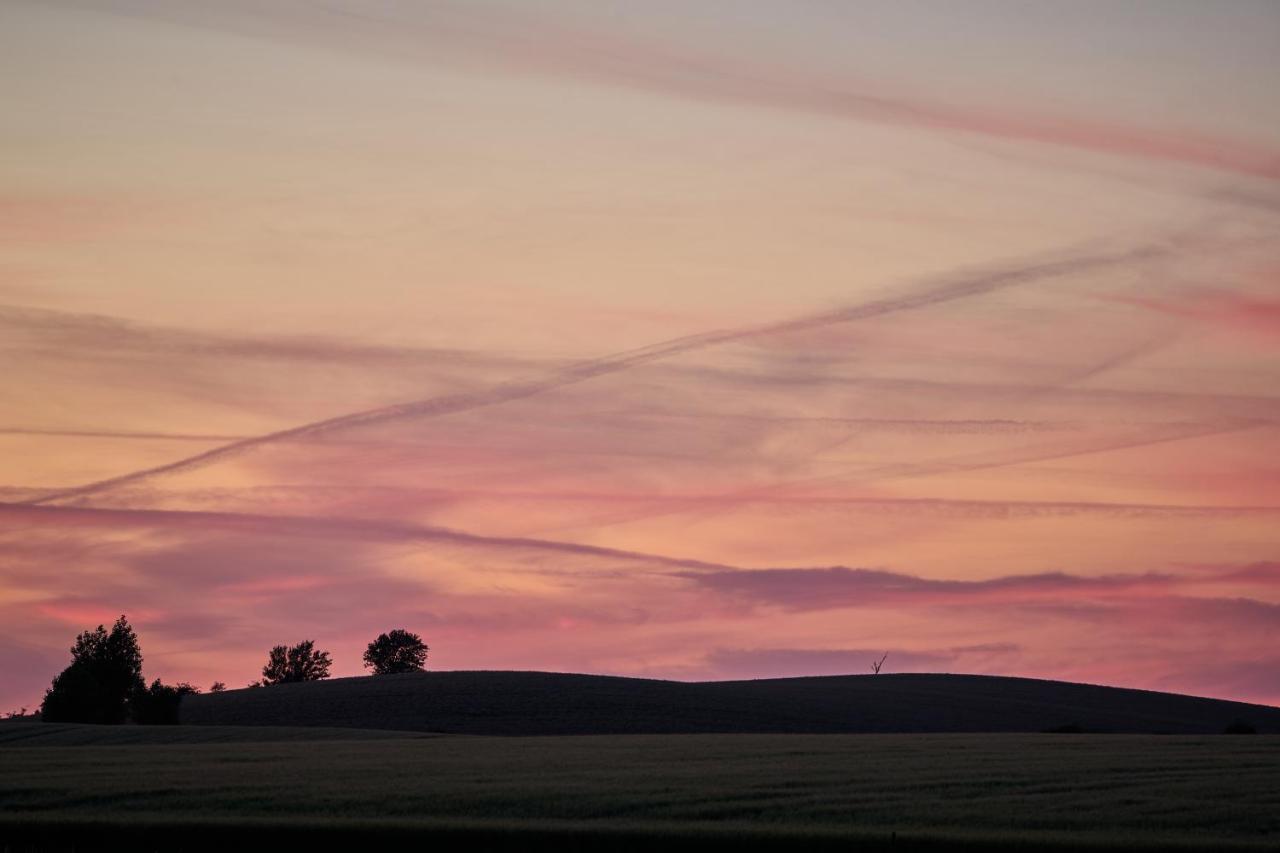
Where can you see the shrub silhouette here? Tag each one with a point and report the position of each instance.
(1240, 727)
(158, 704)
(104, 677)
(288, 664)
(396, 651)
(217, 687)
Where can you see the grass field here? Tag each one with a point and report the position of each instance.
(640, 791)
(542, 703)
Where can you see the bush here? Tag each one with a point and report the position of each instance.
(1239, 727)
(158, 704)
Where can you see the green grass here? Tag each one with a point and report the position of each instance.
(650, 791)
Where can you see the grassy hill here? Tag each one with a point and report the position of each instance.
(541, 703)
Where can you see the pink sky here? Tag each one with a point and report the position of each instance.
(711, 340)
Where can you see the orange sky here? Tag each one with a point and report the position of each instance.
(685, 340)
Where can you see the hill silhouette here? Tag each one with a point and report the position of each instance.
(89, 734)
(544, 703)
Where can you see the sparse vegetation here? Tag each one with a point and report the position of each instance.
(1240, 727)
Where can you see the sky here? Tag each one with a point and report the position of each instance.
(703, 340)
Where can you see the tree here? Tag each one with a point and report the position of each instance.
(158, 704)
(287, 664)
(104, 677)
(217, 687)
(875, 665)
(396, 651)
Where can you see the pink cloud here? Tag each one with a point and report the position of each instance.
(948, 289)
(1255, 316)
(69, 217)
(816, 589)
(521, 40)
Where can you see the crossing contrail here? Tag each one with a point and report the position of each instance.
(951, 289)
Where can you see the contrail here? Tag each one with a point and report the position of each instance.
(121, 434)
(778, 492)
(958, 288)
(522, 42)
(320, 526)
(975, 507)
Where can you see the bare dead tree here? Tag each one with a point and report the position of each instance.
(875, 665)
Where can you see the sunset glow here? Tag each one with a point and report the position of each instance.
(684, 340)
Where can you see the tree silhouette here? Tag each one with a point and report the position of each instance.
(303, 662)
(158, 704)
(103, 679)
(396, 651)
(217, 687)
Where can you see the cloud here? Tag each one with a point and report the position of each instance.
(619, 60)
(727, 664)
(1255, 316)
(838, 587)
(523, 41)
(315, 527)
(784, 663)
(43, 217)
(96, 335)
(1254, 675)
(952, 288)
(28, 670)
(209, 592)
(141, 435)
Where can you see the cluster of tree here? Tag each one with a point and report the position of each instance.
(104, 682)
(390, 653)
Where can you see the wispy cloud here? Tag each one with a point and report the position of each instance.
(545, 42)
(749, 663)
(956, 287)
(1231, 312)
(312, 526)
(97, 335)
(818, 589)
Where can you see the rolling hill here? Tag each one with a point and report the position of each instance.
(85, 734)
(543, 703)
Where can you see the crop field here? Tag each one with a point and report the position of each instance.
(864, 792)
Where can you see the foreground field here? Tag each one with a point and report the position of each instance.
(645, 792)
